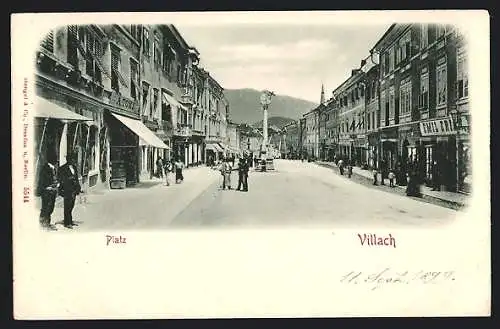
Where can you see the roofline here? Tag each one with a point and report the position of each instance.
(178, 36)
(393, 25)
(352, 78)
(211, 78)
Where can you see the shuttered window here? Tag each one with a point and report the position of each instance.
(73, 45)
(48, 42)
(134, 89)
(115, 68)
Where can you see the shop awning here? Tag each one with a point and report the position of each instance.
(48, 109)
(214, 147)
(223, 147)
(147, 137)
(173, 102)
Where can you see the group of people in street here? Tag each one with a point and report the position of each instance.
(165, 168)
(393, 174)
(227, 167)
(62, 181)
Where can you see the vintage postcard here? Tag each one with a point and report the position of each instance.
(251, 164)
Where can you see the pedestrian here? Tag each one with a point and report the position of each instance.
(167, 168)
(243, 174)
(375, 173)
(413, 188)
(69, 188)
(179, 177)
(159, 167)
(435, 177)
(47, 190)
(391, 178)
(349, 170)
(226, 170)
(341, 166)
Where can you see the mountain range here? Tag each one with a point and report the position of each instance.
(244, 105)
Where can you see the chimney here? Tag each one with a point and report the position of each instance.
(363, 63)
(353, 72)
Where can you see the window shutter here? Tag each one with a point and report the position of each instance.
(48, 41)
(115, 60)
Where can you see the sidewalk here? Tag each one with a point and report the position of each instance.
(458, 199)
(148, 204)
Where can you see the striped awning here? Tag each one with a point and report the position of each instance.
(47, 109)
(147, 137)
(214, 147)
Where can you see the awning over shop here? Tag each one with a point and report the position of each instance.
(173, 102)
(48, 109)
(223, 147)
(147, 137)
(214, 147)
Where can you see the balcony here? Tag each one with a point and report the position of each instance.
(183, 130)
(198, 132)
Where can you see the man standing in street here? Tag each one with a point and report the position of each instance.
(159, 167)
(243, 174)
(70, 188)
(47, 190)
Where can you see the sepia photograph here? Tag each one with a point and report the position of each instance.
(157, 125)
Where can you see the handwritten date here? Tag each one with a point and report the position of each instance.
(389, 276)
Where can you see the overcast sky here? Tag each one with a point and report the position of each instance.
(288, 59)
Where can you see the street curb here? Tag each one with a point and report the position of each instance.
(424, 196)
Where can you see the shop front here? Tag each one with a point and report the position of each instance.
(373, 142)
(388, 149)
(213, 152)
(411, 153)
(80, 137)
(195, 151)
(464, 153)
(439, 145)
(127, 137)
(346, 147)
(360, 150)
(53, 142)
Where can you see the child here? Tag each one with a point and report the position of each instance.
(391, 178)
(375, 173)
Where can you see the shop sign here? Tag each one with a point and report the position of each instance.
(437, 127)
(124, 103)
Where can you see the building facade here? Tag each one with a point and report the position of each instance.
(330, 140)
(350, 99)
(82, 69)
(291, 140)
(372, 114)
(424, 115)
(311, 133)
(120, 96)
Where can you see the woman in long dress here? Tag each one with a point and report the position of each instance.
(179, 165)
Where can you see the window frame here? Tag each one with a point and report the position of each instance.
(442, 84)
(146, 42)
(462, 74)
(423, 93)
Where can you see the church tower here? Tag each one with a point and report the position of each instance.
(322, 100)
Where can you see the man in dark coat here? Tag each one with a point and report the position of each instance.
(70, 188)
(47, 190)
(243, 174)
